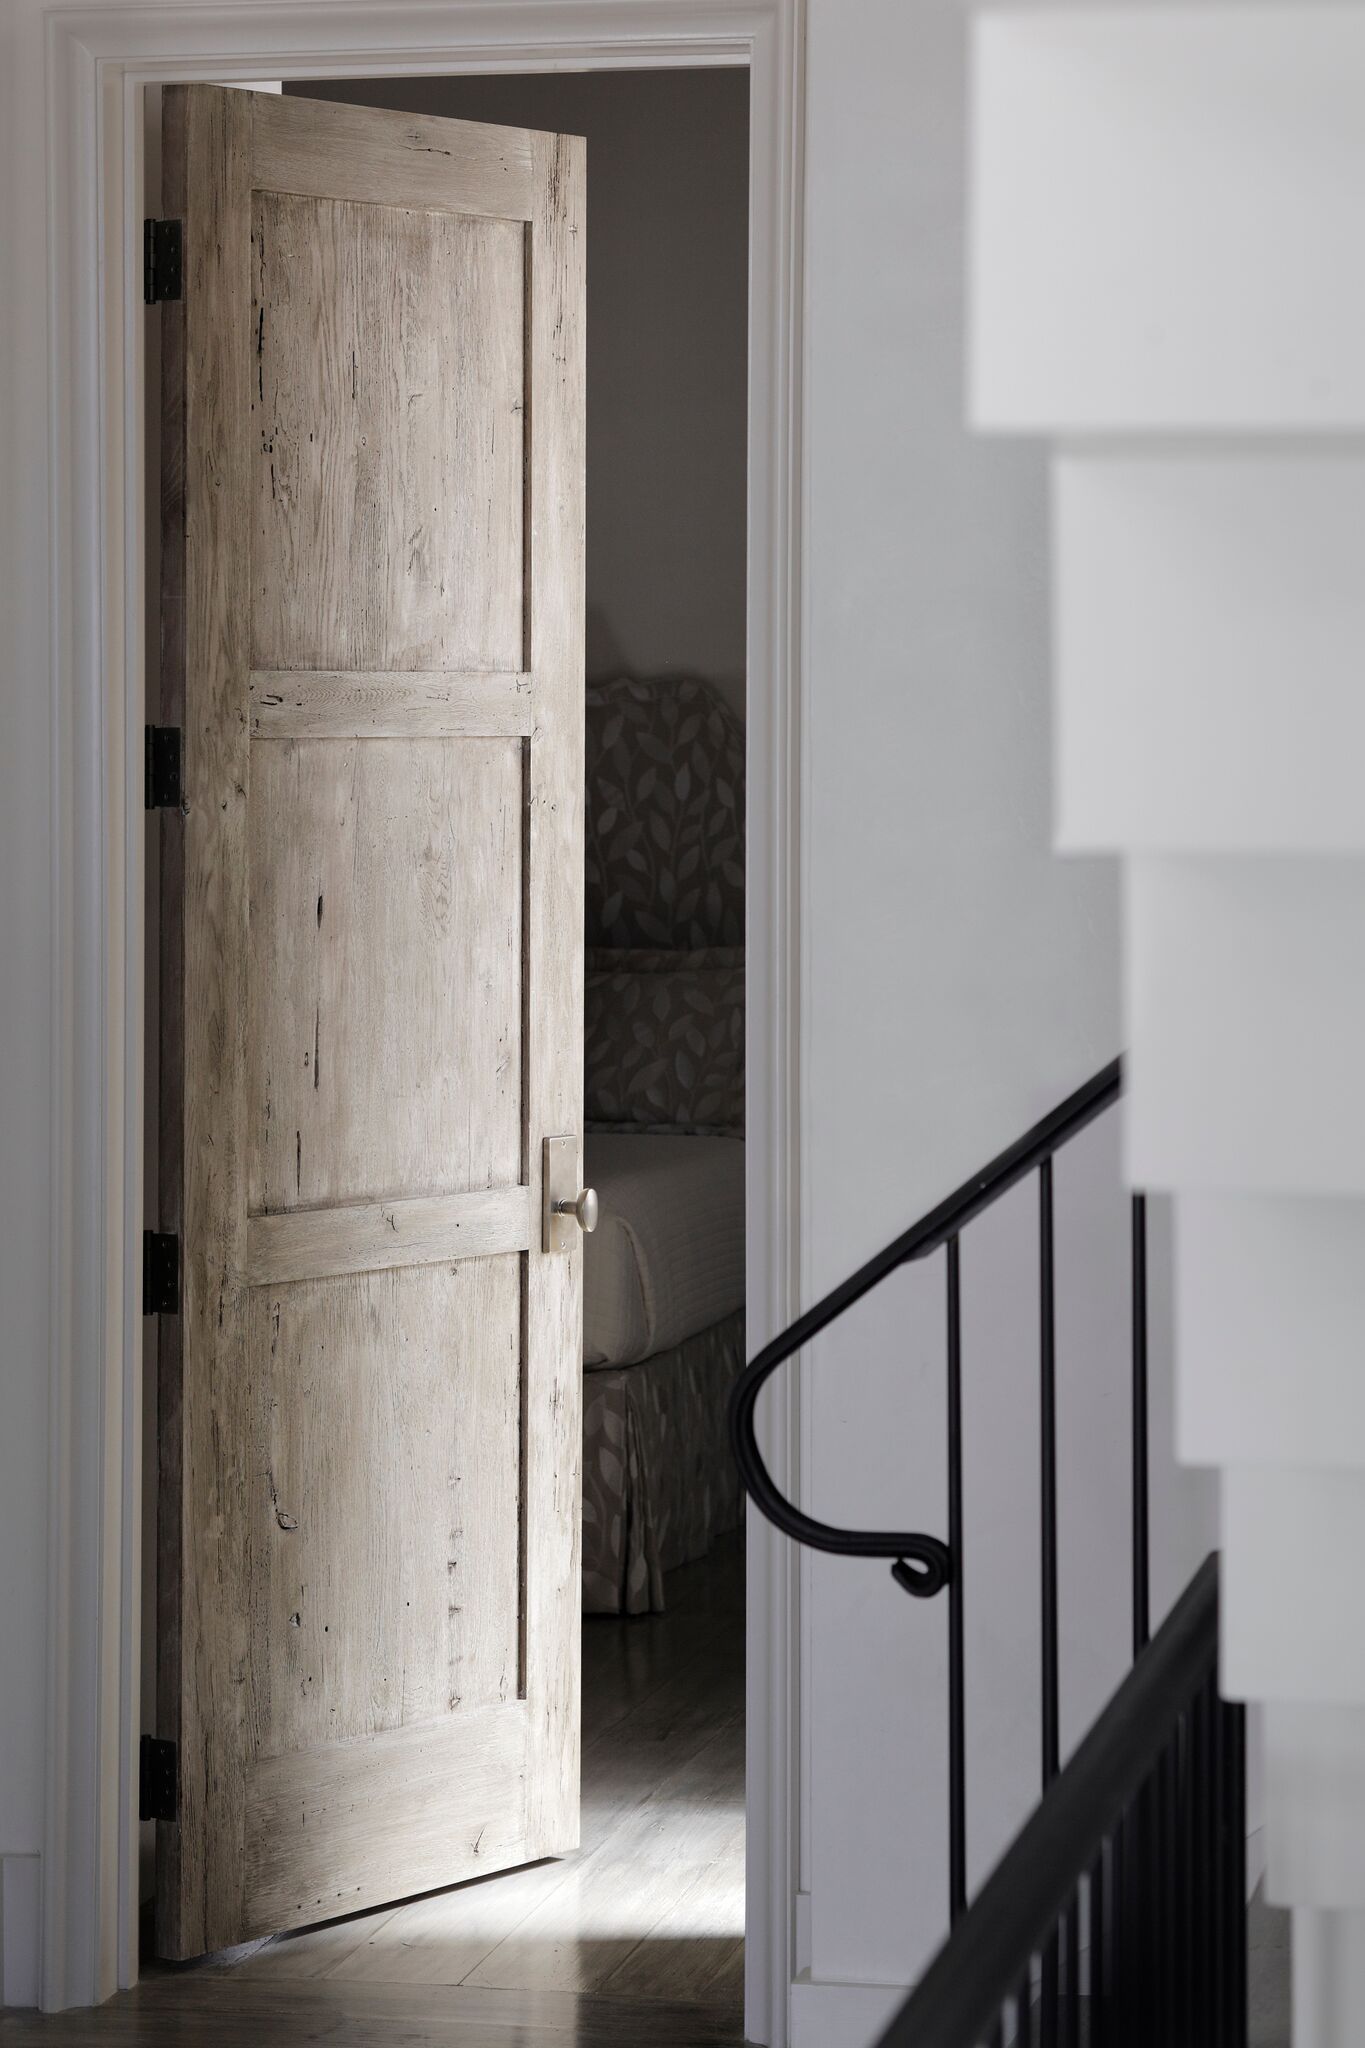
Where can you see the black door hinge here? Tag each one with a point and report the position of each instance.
(158, 1785)
(160, 260)
(163, 767)
(160, 1273)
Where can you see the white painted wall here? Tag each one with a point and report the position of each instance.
(960, 980)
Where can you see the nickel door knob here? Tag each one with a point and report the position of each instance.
(583, 1206)
(562, 1202)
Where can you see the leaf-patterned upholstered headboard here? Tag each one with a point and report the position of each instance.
(665, 816)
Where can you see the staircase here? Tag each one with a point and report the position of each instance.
(1119, 1914)
(1161, 198)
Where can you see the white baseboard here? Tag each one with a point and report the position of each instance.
(841, 2015)
(20, 1923)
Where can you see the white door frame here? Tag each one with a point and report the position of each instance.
(98, 60)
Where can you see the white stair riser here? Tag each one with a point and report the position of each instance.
(1270, 1330)
(1167, 205)
(1329, 1979)
(1313, 1760)
(1210, 650)
(1166, 202)
(1246, 1020)
(1293, 1587)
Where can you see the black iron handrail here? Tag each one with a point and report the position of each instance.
(1147, 1825)
(923, 1564)
(1137, 1848)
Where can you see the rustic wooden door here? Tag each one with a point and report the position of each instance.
(373, 630)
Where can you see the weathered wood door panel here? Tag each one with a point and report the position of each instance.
(372, 633)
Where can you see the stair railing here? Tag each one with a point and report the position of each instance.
(1132, 1868)
(924, 1565)
(1130, 1877)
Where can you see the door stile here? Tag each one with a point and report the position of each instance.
(554, 977)
(212, 1736)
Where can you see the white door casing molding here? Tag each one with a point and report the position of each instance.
(98, 59)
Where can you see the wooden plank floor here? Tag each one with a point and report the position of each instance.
(638, 1937)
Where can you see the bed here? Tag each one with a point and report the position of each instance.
(663, 1274)
(663, 1337)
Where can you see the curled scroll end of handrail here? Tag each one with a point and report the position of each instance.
(924, 1570)
(922, 1564)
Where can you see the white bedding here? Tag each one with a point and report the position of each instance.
(667, 1257)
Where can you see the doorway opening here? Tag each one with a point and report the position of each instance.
(651, 1908)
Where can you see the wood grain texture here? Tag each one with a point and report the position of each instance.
(337, 705)
(386, 969)
(390, 414)
(310, 1244)
(385, 158)
(658, 1694)
(652, 1871)
(687, 1953)
(656, 1698)
(332, 1832)
(650, 1910)
(554, 980)
(222, 2012)
(382, 1506)
(371, 1489)
(170, 1025)
(200, 1875)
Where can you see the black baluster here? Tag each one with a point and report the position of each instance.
(957, 1759)
(1201, 1917)
(1221, 2033)
(1237, 1875)
(1047, 1429)
(1167, 1860)
(1048, 1435)
(1023, 2009)
(1072, 2007)
(1145, 1944)
(1142, 1626)
(1047, 1993)
(1121, 1912)
(1158, 1894)
(1099, 1954)
(1187, 2025)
